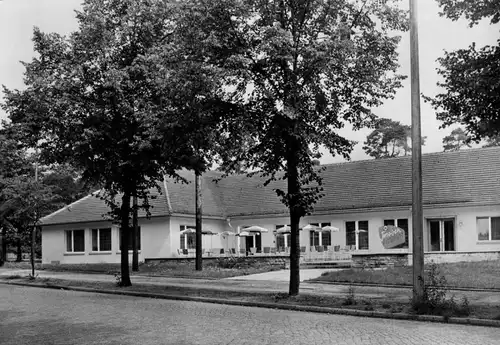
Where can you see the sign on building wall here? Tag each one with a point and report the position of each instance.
(391, 236)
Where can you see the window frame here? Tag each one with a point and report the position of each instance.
(357, 233)
(98, 231)
(320, 235)
(72, 239)
(287, 239)
(130, 239)
(490, 221)
(189, 241)
(407, 231)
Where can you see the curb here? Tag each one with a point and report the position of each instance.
(398, 286)
(293, 307)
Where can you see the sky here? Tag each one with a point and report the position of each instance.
(436, 34)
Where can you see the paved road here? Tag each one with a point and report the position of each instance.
(42, 316)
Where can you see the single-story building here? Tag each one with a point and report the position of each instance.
(461, 196)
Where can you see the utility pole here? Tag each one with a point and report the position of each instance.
(416, 140)
(199, 208)
(33, 232)
(135, 228)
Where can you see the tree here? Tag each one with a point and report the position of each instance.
(92, 99)
(13, 162)
(456, 140)
(300, 70)
(29, 200)
(388, 139)
(492, 141)
(471, 85)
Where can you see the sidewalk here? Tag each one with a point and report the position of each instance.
(271, 282)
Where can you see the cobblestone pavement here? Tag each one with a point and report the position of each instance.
(41, 316)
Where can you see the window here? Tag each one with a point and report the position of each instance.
(75, 241)
(400, 223)
(357, 234)
(101, 240)
(188, 240)
(130, 238)
(488, 228)
(282, 240)
(323, 238)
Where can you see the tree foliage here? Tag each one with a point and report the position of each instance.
(456, 140)
(472, 10)
(389, 139)
(92, 101)
(470, 76)
(492, 141)
(300, 70)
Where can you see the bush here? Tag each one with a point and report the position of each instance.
(434, 299)
(350, 298)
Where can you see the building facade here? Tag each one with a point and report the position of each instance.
(461, 194)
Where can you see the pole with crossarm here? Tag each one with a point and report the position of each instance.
(416, 139)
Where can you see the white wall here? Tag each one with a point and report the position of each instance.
(465, 227)
(160, 237)
(154, 242)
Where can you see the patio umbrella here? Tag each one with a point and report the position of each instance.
(311, 227)
(328, 228)
(188, 231)
(244, 233)
(283, 230)
(255, 228)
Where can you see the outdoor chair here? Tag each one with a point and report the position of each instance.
(185, 252)
(273, 251)
(267, 250)
(221, 253)
(253, 250)
(233, 251)
(242, 251)
(179, 252)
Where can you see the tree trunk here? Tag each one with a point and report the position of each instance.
(125, 228)
(19, 253)
(3, 247)
(293, 190)
(33, 242)
(135, 225)
(198, 205)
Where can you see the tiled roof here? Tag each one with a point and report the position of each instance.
(93, 209)
(468, 177)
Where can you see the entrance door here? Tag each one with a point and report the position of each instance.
(441, 235)
(249, 242)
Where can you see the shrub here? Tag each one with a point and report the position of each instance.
(118, 279)
(350, 298)
(434, 300)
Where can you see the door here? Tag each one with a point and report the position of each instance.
(248, 242)
(441, 235)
